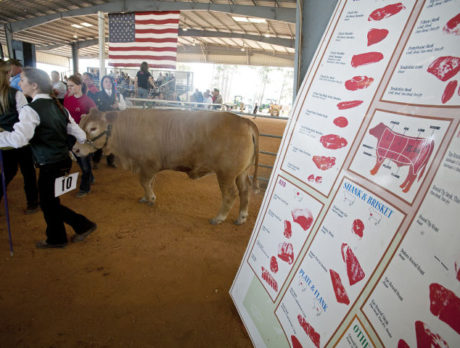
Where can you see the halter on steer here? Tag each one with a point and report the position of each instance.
(107, 133)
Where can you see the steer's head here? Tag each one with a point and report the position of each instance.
(97, 126)
(377, 131)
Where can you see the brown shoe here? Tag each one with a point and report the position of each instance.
(44, 245)
(81, 236)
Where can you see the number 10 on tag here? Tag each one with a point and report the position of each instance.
(65, 184)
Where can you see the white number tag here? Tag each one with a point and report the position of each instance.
(65, 184)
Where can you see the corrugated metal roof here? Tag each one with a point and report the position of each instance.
(206, 34)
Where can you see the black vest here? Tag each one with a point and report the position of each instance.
(104, 102)
(49, 143)
(10, 117)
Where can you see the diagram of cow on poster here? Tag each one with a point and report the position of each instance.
(397, 151)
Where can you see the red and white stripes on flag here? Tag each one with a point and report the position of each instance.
(143, 37)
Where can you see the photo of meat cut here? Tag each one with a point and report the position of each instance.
(453, 25)
(402, 344)
(358, 82)
(426, 338)
(324, 162)
(341, 121)
(358, 228)
(309, 330)
(385, 12)
(376, 35)
(354, 271)
(339, 289)
(445, 305)
(273, 264)
(287, 229)
(286, 252)
(303, 217)
(449, 91)
(403, 150)
(319, 179)
(295, 342)
(311, 178)
(349, 104)
(444, 68)
(366, 58)
(333, 141)
(269, 279)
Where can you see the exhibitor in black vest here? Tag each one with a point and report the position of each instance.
(45, 124)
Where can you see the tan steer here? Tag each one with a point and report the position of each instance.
(194, 142)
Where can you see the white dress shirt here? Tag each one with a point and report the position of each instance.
(24, 130)
(121, 102)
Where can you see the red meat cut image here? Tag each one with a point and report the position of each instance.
(309, 330)
(303, 217)
(366, 58)
(295, 342)
(349, 104)
(324, 162)
(341, 122)
(358, 228)
(385, 12)
(358, 82)
(333, 141)
(426, 338)
(287, 229)
(311, 178)
(445, 305)
(376, 35)
(444, 68)
(269, 279)
(339, 289)
(403, 151)
(286, 252)
(453, 25)
(273, 264)
(402, 344)
(354, 271)
(319, 179)
(449, 91)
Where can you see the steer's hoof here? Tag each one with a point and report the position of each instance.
(215, 221)
(147, 201)
(240, 221)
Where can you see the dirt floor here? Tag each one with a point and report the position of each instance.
(148, 277)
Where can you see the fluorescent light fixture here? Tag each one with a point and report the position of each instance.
(257, 20)
(252, 19)
(240, 19)
(78, 26)
(86, 24)
(185, 29)
(267, 35)
(242, 49)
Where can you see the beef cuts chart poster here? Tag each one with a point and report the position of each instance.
(350, 243)
(344, 85)
(426, 72)
(287, 223)
(357, 240)
(423, 279)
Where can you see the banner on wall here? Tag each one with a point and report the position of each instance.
(357, 241)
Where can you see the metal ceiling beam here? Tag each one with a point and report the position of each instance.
(223, 51)
(191, 33)
(275, 13)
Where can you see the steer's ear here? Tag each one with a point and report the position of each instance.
(111, 116)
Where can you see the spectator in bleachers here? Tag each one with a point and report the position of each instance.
(216, 98)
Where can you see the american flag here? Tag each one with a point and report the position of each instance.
(143, 37)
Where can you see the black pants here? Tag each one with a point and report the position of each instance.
(86, 173)
(98, 155)
(54, 213)
(23, 158)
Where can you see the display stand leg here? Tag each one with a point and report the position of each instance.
(5, 198)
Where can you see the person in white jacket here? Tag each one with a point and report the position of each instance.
(45, 124)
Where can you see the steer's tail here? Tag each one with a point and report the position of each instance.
(255, 140)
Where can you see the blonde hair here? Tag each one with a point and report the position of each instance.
(4, 86)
